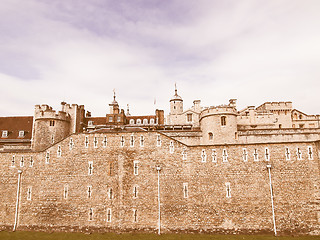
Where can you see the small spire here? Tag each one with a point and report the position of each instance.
(175, 89)
(114, 94)
(128, 113)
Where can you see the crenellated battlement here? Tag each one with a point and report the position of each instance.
(218, 110)
(46, 112)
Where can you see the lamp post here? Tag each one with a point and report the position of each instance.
(159, 209)
(17, 201)
(272, 205)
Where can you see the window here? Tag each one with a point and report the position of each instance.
(90, 168)
(145, 121)
(214, 155)
(184, 153)
(138, 121)
(287, 153)
(171, 147)
(210, 134)
(299, 154)
(95, 142)
(132, 141)
(12, 161)
(29, 192)
(189, 117)
(223, 121)
(65, 192)
(21, 134)
(255, 155)
(267, 154)
(119, 119)
(310, 153)
(109, 215)
(151, 121)
(86, 142)
(90, 214)
(90, 123)
(203, 156)
(22, 162)
(224, 155)
(135, 215)
(110, 119)
(158, 141)
(236, 136)
(89, 191)
(52, 123)
(31, 162)
(135, 191)
(122, 141)
(135, 168)
(244, 155)
(131, 121)
(59, 151)
(185, 190)
(47, 157)
(110, 193)
(105, 142)
(52, 139)
(141, 141)
(71, 144)
(228, 190)
(110, 169)
(5, 134)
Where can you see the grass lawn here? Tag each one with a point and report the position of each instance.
(128, 236)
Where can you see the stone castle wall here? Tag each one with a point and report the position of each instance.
(203, 205)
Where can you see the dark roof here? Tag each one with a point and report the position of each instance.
(15, 124)
(97, 120)
(142, 117)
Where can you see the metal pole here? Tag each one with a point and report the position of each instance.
(271, 193)
(159, 210)
(17, 201)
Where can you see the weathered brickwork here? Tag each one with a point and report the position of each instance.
(203, 206)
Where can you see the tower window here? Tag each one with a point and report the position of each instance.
(31, 162)
(287, 153)
(89, 191)
(223, 121)
(22, 162)
(210, 134)
(110, 193)
(122, 141)
(245, 155)
(310, 153)
(52, 123)
(59, 152)
(90, 214)
(158, 141)
(299, 154)
(47, 157)
(135, 215)
(95, 142)
(110, 119)
(13, 161)
(189, 117)
(71, 144)
(255, 155)
(90, 168)
(105, 141)
(184, 154)
(86, 142)
(29, 192)
(135, 192)
(141, 141)
(267, 154)
(132, 141)
(214, 155)
(65, 192)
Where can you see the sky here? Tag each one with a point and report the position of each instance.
(80, 51)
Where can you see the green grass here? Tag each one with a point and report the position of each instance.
(140, 236)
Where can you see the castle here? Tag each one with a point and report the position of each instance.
(204, 169)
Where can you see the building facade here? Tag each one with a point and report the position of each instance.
(204, 169)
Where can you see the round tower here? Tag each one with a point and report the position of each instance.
(218, 125)
(49, 127)
(176, 103)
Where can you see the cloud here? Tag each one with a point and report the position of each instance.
(78, 52)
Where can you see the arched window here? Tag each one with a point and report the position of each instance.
(151, 121)
(145, 121)
(210, 135)
(223, 120)
(138, 121)
(131, 121)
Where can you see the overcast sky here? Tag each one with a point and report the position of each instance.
(78, 51)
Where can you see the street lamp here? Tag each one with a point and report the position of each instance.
(271, 194)
(159, 210)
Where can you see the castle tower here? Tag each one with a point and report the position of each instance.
(176, 103)
(50, 126)
(219, 125)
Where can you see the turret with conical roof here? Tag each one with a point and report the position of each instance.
(176, 103)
